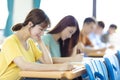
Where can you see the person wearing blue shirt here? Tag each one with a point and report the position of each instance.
(95, 37)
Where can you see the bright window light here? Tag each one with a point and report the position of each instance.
(57, 9)
(108, 11)
(3, 13)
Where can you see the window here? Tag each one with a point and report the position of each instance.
(57, 9)
(108, 11)
(3, 13)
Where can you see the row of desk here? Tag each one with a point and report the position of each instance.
(69, 75)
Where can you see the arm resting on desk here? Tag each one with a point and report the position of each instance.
(76, 58)
(92, 50)
(32, 66)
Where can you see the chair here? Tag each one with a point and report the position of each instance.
(113, 67)
(118, 55)
(96, 70)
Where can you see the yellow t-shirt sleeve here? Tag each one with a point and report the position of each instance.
(36, 50)
(11, 50)
(3, 64)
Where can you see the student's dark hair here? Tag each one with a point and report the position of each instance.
(66, 46)
(113, 26)
(101, 24)
(89, 20)
(36, 16)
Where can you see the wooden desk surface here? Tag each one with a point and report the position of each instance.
(102, 53)
(97, 54)
(79, 70)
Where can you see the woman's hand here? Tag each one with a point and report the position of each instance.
(66, 66)
(38, 39)
(111, 46)
(77, 58)
(80, 47)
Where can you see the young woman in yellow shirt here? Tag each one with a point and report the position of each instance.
(19, 51)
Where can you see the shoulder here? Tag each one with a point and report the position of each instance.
(9, 42)
(47, 37)
(91, 35)
(10, 39)
(31, 41)
(105, 35)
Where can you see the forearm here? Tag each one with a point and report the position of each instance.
(89, 50)
(61, 59)
(40, 67)
(32, 66)
(92, 50)
(46, 54)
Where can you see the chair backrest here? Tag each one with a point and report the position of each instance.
(118, 55)
(113, 66)
(96, 70)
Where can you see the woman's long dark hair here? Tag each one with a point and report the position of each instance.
(66, 46)
(36, 16)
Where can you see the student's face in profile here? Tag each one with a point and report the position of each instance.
(88, 28)
(112, 30)
(98, 30)
(38, 30)
(67, 32)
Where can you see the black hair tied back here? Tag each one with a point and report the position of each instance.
(17, 27)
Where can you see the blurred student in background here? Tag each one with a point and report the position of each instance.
(111, 37)
(95, 36)
(89, 25)
(19, 51)
(111, 30)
